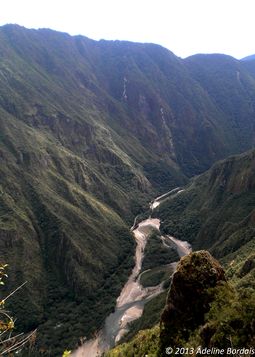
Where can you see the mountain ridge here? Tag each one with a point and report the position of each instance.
(90, 131)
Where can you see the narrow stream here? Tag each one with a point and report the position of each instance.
(130, 303)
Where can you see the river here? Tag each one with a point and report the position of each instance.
(130, 303)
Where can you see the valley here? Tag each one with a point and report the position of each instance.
(193, 214)
(90, 131)
(130, 303)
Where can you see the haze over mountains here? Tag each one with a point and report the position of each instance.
(90, 133)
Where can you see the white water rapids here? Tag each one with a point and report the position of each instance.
(130, 303)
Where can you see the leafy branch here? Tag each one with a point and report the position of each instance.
(9, 342)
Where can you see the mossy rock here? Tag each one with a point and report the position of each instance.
(190, 295)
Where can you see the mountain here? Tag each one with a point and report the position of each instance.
(190, 296)
(90, 132)
(230, 86)
(205, 305)
(250, 65)
(249, 58)
(204, 314)
(216, 210)
(143, 91)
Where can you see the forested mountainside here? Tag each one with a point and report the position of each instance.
(206, 306)
(216, 210)
(90, 132)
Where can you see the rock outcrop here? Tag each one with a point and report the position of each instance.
(190, 294)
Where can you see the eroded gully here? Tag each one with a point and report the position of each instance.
(130, 303)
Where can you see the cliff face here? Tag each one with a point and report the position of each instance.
(190, 294)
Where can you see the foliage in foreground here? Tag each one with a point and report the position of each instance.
(230, 322)
(145, 343)
(10, 341)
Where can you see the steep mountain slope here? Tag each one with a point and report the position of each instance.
(89, 132)
(216, 211)
(189, 297)
(50, 231)
(230, 86)
(70, 186)
(204, 314)
(144, 92)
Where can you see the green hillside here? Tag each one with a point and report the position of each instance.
(89, 133)
(214, 212)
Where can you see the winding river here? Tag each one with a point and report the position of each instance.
(130, 303)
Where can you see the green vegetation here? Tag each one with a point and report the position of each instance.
(216, 211)
(156, 254)
(79, 161)
(10, 341)
(155, 276)
(230, 321)
(189, 298)
(145, 343)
